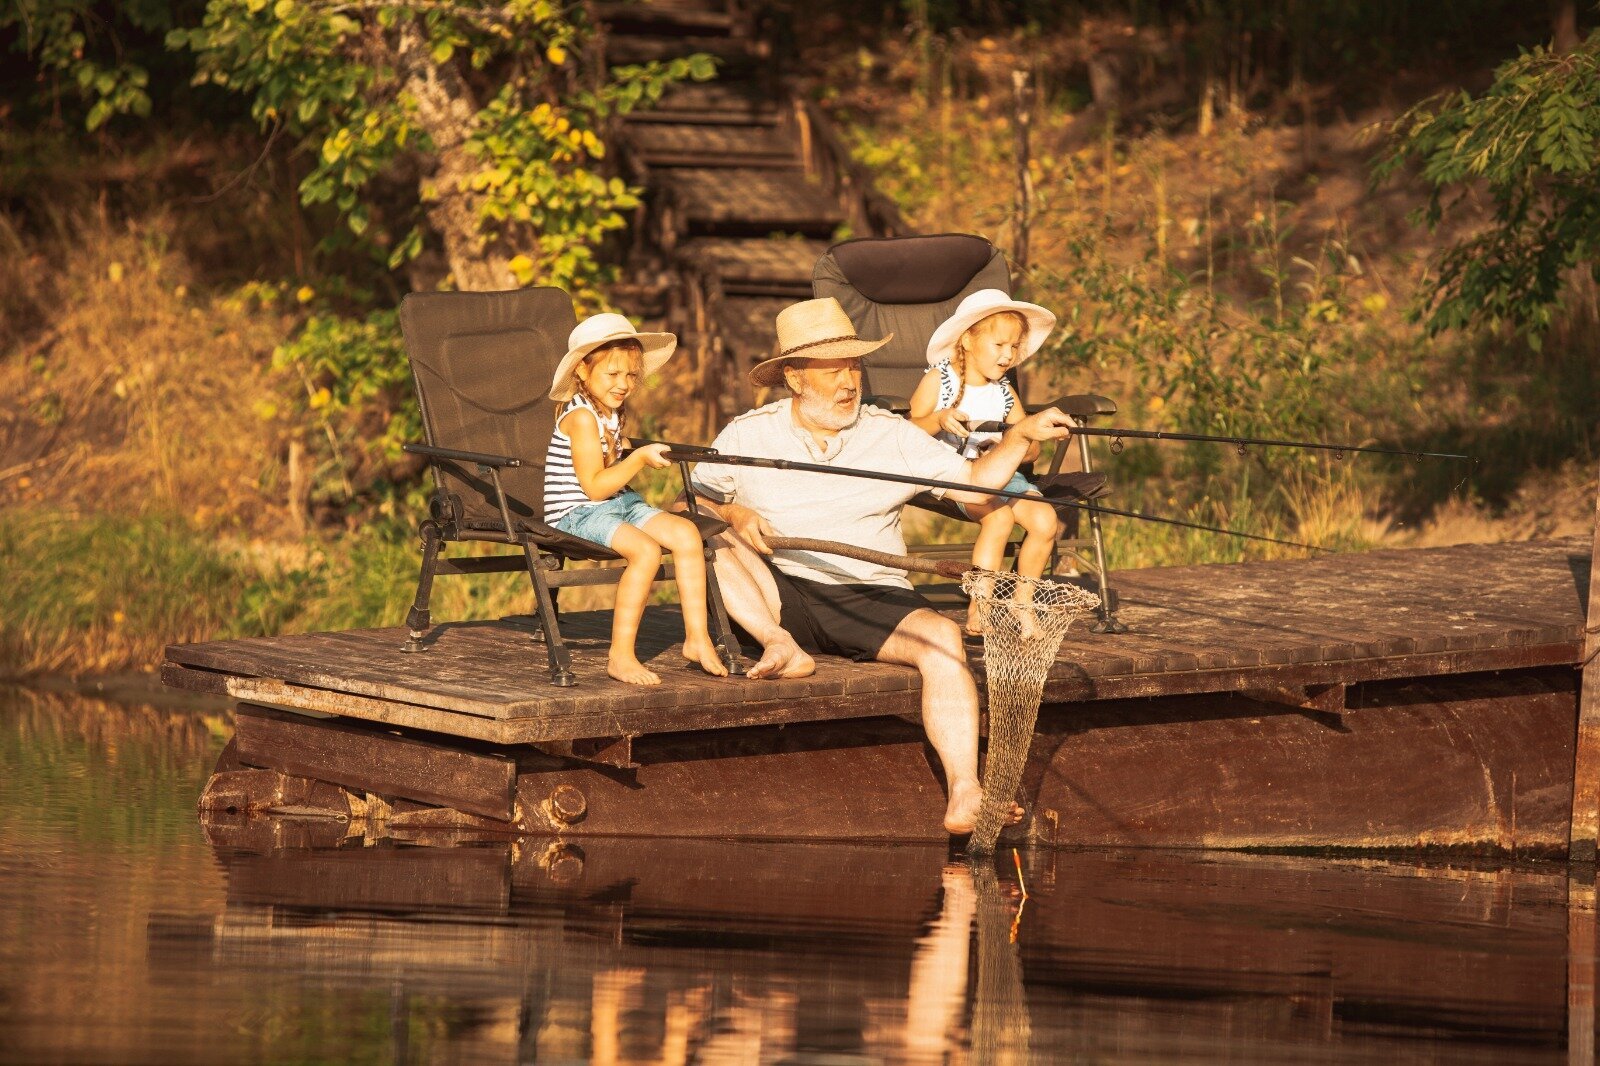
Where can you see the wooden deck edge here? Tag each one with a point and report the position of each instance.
(1339, 671)
(582, 725)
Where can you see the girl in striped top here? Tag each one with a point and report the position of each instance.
(587, 469)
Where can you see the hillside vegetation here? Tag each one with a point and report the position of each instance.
(202, 407)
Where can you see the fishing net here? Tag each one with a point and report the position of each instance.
(1002, 1028)
(1023, 620)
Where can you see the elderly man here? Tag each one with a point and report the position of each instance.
(802, 602)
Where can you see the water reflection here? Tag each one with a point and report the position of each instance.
(130, 933)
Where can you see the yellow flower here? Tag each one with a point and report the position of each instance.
(1374, 303)
(114, 272)
(1157, 403)
(305, 294)
(556, 54)
(320, 399)
(117, 618)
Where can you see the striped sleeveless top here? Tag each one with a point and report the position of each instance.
(982, 403)
(562, 493)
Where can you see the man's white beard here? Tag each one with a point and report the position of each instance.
(820, 411)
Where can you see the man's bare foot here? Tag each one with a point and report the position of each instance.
(782, 658)
(961, 814)
(629, 670)
(704, 653)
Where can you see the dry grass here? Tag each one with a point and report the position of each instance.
(135, 389)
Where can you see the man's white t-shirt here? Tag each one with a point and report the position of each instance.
(850, 510)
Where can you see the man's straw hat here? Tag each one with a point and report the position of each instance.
(979, 306)
(600, 329)
(812, 329)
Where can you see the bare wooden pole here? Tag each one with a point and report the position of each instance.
(1580, 966)
(1023, 208)
(1586, 771)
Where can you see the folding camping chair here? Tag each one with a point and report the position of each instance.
(908, 286)
(482, 364)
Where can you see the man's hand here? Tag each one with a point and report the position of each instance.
(749, 526)
(1049, 424)
(953, 421)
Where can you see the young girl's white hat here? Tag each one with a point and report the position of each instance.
(600, 329)
(979, 306)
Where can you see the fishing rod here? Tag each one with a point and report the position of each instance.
(711, 455)
(1117, 433)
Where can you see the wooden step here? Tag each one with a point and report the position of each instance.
(745, 202)
(668, 17)
(779, 267)
(735, 53)
(663, 144)
(748, 326)
(715, 102)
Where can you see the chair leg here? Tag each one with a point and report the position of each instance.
(1107, 621)
(561, 674)
(721, 631)
(418, 619)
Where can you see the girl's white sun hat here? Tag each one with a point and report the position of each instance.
(979, 306)
(600, 329)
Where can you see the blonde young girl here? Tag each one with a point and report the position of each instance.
(969, 356)
(586, 474)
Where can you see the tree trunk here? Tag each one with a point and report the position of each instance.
(1563, 26)
(446, 109)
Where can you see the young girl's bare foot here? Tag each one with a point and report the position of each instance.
(1027, 618)
(704, 653)
(629, 670)
(978, 604)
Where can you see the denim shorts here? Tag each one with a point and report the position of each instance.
(1018, 483)
(599, 522)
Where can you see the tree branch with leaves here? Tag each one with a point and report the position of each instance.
(498, 109)
(1530, 142)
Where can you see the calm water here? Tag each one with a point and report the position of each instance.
(129, 933)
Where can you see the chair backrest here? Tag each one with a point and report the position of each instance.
(482, 364)
(905, 286)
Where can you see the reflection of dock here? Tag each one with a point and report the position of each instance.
(793, 947)
(1382, 700)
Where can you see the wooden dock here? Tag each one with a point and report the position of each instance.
(1386, 699)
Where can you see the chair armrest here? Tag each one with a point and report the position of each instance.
(708, 525)
(898, 404)
(456, 455)
(1083, 405)
(675, 445)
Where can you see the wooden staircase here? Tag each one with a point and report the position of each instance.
(746, 185)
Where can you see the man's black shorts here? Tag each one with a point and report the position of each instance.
(849, 620)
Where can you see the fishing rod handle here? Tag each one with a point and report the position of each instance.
(952, 568)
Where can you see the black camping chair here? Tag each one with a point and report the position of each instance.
(908, 286)
(482, 364)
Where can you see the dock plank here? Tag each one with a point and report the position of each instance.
(1193, 629)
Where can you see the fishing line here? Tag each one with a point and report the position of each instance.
(711, 455)
(1117, 433)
